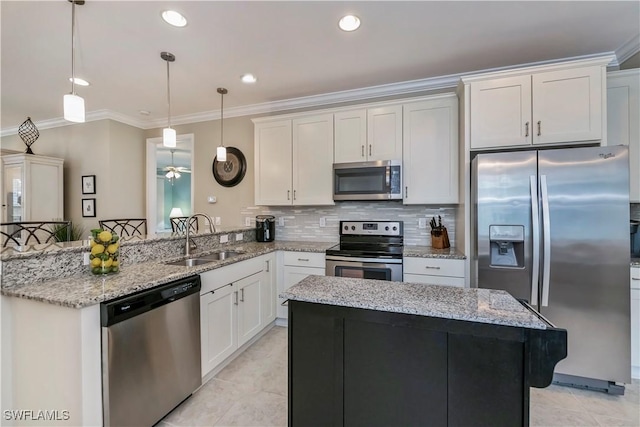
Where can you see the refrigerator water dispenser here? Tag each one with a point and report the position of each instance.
(507, 246)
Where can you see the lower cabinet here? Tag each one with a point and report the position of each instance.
(297, 266)
(236, 303)
(434, 271)
(635, 322)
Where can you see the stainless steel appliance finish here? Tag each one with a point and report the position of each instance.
(374, 180)
(150, 352)
(367, 250)
(551, 228)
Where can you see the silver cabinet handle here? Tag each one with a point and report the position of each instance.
(288, 194)
(267, 265)
(235, 294)
(241, 294)
(406, 192)
(362, 150)
(633, 278)
(432, 268)
(303, 259)
(294, 194)
(535, 221)
(539, 127)
(526, 129)
(369, 149)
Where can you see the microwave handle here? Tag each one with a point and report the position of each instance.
(388, 176)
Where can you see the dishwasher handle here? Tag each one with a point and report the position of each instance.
(123, 308)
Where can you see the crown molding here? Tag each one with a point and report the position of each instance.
(353, 95)
(627, 50)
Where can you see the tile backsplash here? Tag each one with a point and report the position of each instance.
(303, 222)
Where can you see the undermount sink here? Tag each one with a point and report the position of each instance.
(205, 259)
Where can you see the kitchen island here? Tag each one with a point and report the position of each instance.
(369, 352)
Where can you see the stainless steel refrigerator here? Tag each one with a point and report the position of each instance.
(551, 227)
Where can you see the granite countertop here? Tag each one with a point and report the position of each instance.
(429, 252)
(88, 289)
(448, 302)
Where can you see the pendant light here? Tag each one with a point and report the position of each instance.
(73, 104)
(168, 134)
(221, 152)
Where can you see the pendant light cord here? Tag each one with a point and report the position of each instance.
(73, 47)
(168, 95)
(221, 119)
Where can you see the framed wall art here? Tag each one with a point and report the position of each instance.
(88, 208)
(88, 184)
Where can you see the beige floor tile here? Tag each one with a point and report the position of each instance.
(264, 372)
(555, 396)
(598, 403)
(615, 422)
(549, 416)
(257, 409)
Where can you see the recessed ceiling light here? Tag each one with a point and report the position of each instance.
(248, 78)
(174, 18)
(79, 81)
(349, 23)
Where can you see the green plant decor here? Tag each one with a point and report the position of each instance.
(76, 232)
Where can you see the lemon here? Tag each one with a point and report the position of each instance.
(105, 236)
(97, 249)
(108, 263)
(93, 243)
(112, 248)
(115, 263)
(96, 262)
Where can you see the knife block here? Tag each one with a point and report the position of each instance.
(440, 238)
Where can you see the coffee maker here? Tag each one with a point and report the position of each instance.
(265, 228)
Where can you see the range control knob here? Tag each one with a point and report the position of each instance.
(395, 228)
(353, 227)
(346, 227)
(386, 228)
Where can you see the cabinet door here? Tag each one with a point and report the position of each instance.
(430, 151)
(313, 160)
(268, 295)
(273, 160)
(350, 136)
(45, 201)
(623, 121)
(12, 202)
(218, 326)
(567, 105)
(249, 307)
(635, 333)
(293, 275)
(500, 111)
(384, 133)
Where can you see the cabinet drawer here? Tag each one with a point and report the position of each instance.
(434, 266)
(304, 259)
(434, 280)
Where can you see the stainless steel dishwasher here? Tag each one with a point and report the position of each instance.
(150, 352)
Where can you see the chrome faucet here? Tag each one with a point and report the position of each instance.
(212, 229)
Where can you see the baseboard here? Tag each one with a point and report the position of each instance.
(282, 321)
(635, 371)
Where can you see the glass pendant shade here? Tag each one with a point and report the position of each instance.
(221, 154)
(169, 137)
(73, 108)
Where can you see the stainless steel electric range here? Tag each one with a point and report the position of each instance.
(367, 250)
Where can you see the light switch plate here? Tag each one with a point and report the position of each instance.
(323, 221)
(281, 221)
(422, 222)
(224, 238)
(239, 237)
(247, 221)
(85, 258)
(218, 220)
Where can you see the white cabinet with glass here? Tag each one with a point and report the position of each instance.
(33, 188)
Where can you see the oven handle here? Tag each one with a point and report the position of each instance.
(365, 260)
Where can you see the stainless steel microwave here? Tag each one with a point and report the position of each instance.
(376, 180)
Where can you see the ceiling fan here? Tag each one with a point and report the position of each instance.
(173, 172)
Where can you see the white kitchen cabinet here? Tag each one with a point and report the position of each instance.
(297, 266)
(33, 188)
(368, 134)
(293, 161)
(236, 303)
(430, 150)
(635, 322)
(623, 121)
(552, 107)
(434, 271)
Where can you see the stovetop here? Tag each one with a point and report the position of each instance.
(369, 239)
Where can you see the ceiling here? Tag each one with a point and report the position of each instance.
(294, 48)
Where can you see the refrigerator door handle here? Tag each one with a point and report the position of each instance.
(535, 222)
(546, 236)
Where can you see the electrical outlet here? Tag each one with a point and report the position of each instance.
(218, 220)
(247, 221)
(422, 222)
(239, 237)
(224, 238)
(281, 221)
(323, 221)
(85, 258)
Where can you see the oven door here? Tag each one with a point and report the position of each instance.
(364, 268)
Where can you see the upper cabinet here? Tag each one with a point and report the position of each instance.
(430, 150)
(623, 121)
(32, 188)
(537, 108)
(368, 134)
(293, 161)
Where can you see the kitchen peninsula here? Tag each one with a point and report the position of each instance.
(369, 352)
